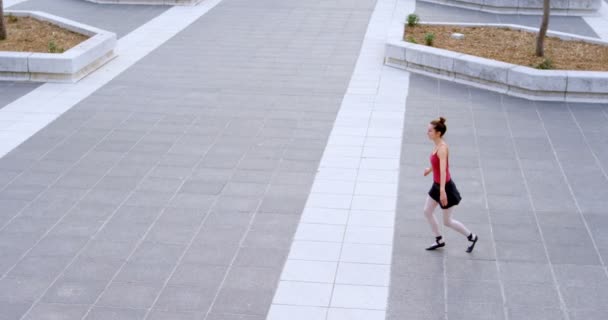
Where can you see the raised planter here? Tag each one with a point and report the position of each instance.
(150, 2)
(69, 66)
(532, 7)
(515, 80)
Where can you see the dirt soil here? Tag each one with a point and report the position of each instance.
(514, 46)
(30, 35)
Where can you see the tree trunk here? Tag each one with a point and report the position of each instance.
(2, 26)
(540, 40)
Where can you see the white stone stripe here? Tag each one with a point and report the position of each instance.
(599, 23)
(32, 112)
(339, 264)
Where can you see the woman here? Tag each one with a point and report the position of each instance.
(443, 192)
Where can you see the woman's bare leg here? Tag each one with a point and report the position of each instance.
(454, 224)
(429, 208)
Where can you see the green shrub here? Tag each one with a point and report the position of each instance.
(546, 64)
(413, 20)
(11, 18)
(53, 48)
(429, 38)
(411, 39)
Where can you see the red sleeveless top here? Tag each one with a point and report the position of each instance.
(436, 169)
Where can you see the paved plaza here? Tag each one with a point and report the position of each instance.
(255, 160)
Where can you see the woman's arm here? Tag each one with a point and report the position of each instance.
(442, 153)
(427, 171)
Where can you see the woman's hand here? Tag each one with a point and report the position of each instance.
(443, 198)
(427, 171)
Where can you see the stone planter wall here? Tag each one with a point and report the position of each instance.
(69, 66)
(534, 7)
(521, 81)
(150, 2)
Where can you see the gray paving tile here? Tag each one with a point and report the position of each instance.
(585, 297)
(172, 233)
(531, 295)
(108, 249)
(47, 311)
(157, 253)
(13, 310)
(461, 291)
(144, 273)
(66, 291)
(22, 289)
(198, 275)
(128, 295)
(247, 302)
(58, 246)
(92, 269)
(260, 257)
(252, 278)
(228, 316)
(102, 313)
(573, 254)
(220, 254)
(77, 226)
(590, 314)
(224, 235)
(535, 312)
(184, 299)
(417, 291)
(266, 239)
(475, 311)
(580, 276)
(472, 270)
(162, 314)
(39, 267)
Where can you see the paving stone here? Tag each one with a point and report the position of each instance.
(531, 295)
(13, 310)
(102, 313)
(183, 299)
(145, 272)
(157, 253)
(56, 311)
(92, 269)
(227, 316)
(476, 311)
(66, 291)
(128, 295)
(535, 312)
(198, 275)
(246, 302)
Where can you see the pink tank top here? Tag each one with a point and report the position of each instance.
(436, 169)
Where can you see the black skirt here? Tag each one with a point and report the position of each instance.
(450, 190)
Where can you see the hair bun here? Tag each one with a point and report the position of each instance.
(442, 119)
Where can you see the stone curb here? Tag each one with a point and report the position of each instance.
(526, 7)
(150, 2)
(515, 80)
(69, 66)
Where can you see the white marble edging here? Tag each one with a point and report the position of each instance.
(520, 81)
(69, 66)
(150, 2)
(599, 23)
(558, 8)
(338, 267)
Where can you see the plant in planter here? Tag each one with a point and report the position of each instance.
(429, 38)
(413, 20)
